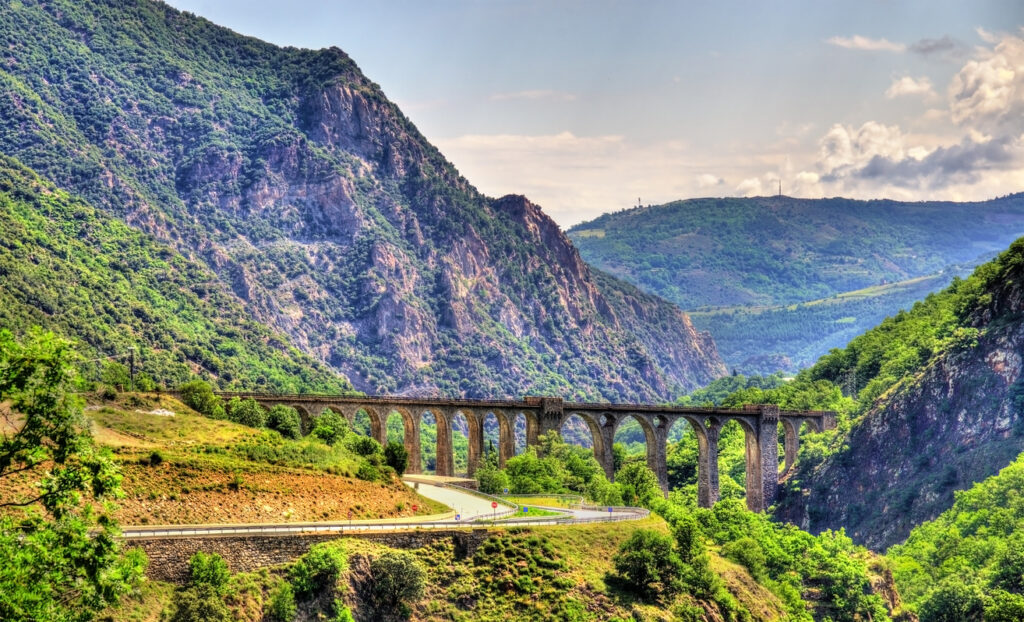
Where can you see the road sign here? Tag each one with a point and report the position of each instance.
(494, 505)
(458, 517)
(506, 491)
(525, 509)
(415, 507)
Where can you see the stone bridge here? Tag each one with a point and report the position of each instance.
(760, 424)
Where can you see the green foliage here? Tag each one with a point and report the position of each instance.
(200, 603)
(59, 555)
(648, 564)
(246, 412)
(398, 579)
(975, 545)
(209, 569)
(713, 255)
(396, 456)
(330, 427)
(75, 269)
(639, 484)
(285, 420)
(363, 445)
(316, 570)
(489, 478)
(747, 552)
(198, 395)
(953, 601)
(282, 603)
(1004, 607)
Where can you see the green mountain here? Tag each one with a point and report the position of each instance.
(779, 281)
(72, 269)
(939, 405)
(313, 200)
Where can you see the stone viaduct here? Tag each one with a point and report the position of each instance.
(760, 424)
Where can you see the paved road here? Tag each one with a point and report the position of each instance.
(470, 506)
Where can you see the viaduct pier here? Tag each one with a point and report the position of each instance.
(760, 424)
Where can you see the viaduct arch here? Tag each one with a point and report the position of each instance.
(760, 425)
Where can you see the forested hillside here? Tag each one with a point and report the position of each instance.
(310, 197)
(70, 268)
(944, 378)
(779, 281)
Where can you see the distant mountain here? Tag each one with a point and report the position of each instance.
(779, 281)
(312, 199)
(940, 392)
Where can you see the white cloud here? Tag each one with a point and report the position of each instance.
(535, 95)
(750, 187)
(707, 180)
(910, 86)
(989, 90)
(857, 42)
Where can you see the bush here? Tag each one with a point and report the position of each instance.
(317, 569)
(282, 603)
(639, 484)
(285, 420)
(209, 569)
(200, 603)
(363, 445)
(748, 553)
(396, 456)
(648, 564)
(156, 458)
(953, 601)
(368, 473)
(397, 578)
(1005, 607)
(330, 427)
(246, 412)
(490, 479)
(198, 396)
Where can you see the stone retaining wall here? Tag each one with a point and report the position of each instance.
(168, 556)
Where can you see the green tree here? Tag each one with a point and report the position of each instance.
(397, 579)
(198, 395)
(1005, 607)
(317, 569)
(648, 564)
(639, 484)
(199, 603)
(953, 601)
(285, 420)
(330, 427)
(209, 569)
(489, 478)
(59, 555)
(396, 456)
(282, 603)
(246, 412)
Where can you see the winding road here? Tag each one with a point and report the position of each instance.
(469, 507)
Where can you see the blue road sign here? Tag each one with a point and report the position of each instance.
(525, 509)
(458, 517)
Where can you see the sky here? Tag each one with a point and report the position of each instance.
(596, 106)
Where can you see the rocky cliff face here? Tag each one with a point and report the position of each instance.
(326, 212)
(955, 422)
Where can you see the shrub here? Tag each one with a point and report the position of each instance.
(285, 420)
(246, 412)
(156, 458)
(396, 456)
(639, 484)
(209, 569)
(363, 445)
(397, 578)
(748, 553)
(648, 564)
(317, 569)
(490, 479)
(330, 427)
(282, 603)
(1005, 607)
(200, 603)
(953, 601)
(368, 473)
(198, 395)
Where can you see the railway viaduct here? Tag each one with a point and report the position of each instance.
(760, 424)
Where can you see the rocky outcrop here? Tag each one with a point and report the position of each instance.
(957, 421)
(328, 214)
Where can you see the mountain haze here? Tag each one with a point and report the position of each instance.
(779, 281)
(328, 216)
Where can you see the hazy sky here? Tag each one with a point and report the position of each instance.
(587, 106)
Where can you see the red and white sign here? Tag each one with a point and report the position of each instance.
(494, 505)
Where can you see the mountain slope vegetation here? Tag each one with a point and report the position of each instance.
(293, 179)
(944, 378)
(72, 269)
(779, 281)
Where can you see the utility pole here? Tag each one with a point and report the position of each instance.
(780, 186)
(131, 366)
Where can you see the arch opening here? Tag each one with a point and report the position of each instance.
(460, 444)
(518, 433)
(491, 438)
(428, 442)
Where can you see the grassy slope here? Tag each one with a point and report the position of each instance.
(73, 269)
(542, 574)
(221, 472)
